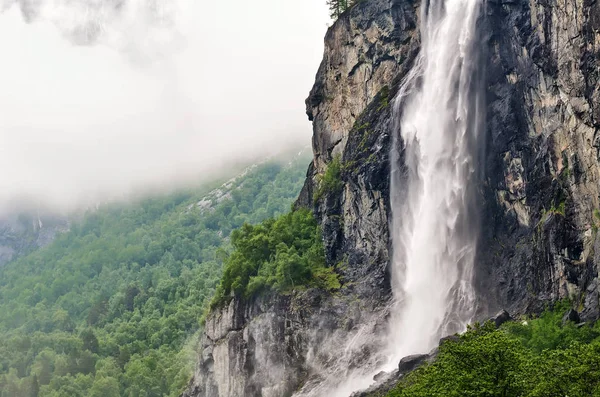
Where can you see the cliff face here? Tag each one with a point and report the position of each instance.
(364, 51)
(540, 198)
(275, 346)
(540, 240)
(23, 232)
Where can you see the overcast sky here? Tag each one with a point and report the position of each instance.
(103, 97)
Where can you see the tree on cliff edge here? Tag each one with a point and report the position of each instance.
(337, 7)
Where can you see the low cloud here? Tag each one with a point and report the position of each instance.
(103, 98)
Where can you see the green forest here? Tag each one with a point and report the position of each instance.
(114, 306)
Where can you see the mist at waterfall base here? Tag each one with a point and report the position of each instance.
(437, 117)
(101, 98)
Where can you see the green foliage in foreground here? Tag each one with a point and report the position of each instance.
(111, 308)
(283, 254)
(537, 358)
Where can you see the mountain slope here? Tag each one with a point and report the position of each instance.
(23, 231)
(108, 307)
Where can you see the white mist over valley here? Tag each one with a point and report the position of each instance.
(101, 99)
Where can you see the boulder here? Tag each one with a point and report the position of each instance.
(501, 318)
(409, 363)
(380, 376)
(451, 338)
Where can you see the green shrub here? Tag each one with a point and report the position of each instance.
(338, 7)
(384, 98)
(282, 254)
(483, 363)
(536, 358)
(548, 332)
(330, 181)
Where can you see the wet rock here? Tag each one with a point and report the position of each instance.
(449, 338)
(501, 318)
(571, 316)
(385, 382)
(542, 169)
(380, 376)
(409, 363)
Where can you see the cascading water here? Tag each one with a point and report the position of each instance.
(437, 117)
(433, 169)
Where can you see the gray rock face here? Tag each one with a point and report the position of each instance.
(23, 232)
(364, 51)
(275, 344)
(540, 205)
(541, 189)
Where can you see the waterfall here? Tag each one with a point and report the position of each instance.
(434, 217)
(437, 116)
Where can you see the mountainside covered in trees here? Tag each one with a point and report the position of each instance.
(111, 307)
(539, 195)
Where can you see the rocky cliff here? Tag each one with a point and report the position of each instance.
(540, 206)
(24, 231)
(541, 190)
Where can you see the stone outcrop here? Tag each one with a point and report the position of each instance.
(502, 317)
(273, 345)
(571, 316)
(539, 195)
(364, 51)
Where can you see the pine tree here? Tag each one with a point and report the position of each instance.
(337, 7)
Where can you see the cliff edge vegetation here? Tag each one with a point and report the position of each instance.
(280, 254)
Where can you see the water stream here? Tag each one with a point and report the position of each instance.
(437, 119)
(434, 222)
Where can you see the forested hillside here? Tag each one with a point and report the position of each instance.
(112, 307)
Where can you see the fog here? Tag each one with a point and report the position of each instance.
(101, 98)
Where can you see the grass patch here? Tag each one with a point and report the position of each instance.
(384, 98)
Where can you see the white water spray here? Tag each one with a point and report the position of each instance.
(433, 170)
